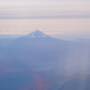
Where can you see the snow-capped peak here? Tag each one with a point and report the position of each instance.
(38, 34)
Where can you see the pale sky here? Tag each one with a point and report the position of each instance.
(43, 8)
(55, 17)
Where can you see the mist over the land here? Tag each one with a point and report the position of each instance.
(40, 62)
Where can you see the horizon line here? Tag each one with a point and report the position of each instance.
(50, 17)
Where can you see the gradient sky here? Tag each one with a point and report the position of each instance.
(55, 17)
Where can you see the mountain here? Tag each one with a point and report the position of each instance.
(40, 62)
(40, 48)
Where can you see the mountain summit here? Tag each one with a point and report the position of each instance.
(38, 34)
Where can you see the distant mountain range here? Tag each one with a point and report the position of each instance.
(40, 62)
